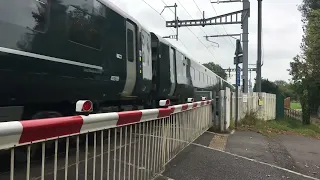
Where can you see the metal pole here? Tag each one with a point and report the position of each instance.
(259, 46)
(176, 18)
(237, 94)
(245, 40)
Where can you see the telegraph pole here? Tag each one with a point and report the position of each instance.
(245, 38)
(237, 60)
(259, 47)
(245, 41)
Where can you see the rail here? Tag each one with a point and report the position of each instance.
(124, 145)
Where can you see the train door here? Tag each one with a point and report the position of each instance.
(146, 55)
(172, 71)
(131, 60)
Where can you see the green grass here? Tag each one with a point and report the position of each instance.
(295, 105)
(232, 125)
(283, 126)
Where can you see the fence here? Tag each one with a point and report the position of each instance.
(287, 102)
(125, 145)
(294, 114)
(249, 103)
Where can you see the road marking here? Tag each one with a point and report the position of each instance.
(232, 132)
(216, 133)
(219, 142)
(253, 160)
(161, 175)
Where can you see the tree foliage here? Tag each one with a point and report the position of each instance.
(305, 67)
(280, 83)
(216, 68)
(267, 86)
(286, 89)
(278, 86)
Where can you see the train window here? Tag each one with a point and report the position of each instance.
(193, 73)
(83, 28)
(32, 14)
(99, 8)
(130, 45)
(199, 76)
(146, 47)
(40, 12)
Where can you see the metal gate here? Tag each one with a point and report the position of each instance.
(125, 145)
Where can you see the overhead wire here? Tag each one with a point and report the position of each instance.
(192, 31)
(197, 6)
(222, 24)
(210, 26)
(164, 20)
(191, 16)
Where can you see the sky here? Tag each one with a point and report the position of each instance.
(281, 36)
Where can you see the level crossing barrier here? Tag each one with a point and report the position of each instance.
(120, 145)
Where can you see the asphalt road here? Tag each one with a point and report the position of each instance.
(297, 153)
(200, 162)
(304, 151)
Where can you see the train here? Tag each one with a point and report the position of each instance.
(54, 53)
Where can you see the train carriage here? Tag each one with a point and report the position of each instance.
(56, 52)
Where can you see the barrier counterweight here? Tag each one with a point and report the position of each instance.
(127, 145)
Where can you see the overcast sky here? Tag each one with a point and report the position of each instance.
(282, 31)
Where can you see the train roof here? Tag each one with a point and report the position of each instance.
(122, 13)
(125, 15)
(193, 60)
(161, 39)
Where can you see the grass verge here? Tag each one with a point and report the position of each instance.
(276, 127)
(294, 105)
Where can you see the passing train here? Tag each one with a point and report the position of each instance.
(56, 52)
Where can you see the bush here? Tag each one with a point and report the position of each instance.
(232, 124)
(250, 119)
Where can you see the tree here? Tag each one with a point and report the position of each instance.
(216, 69)
(286, 89)
(306, 7)
(267, 86)
(305, 68)
(280, 83)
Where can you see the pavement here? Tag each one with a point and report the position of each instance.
(247, 156)
(297, 153)
(305, 152)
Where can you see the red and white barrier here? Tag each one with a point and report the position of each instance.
(23, 132)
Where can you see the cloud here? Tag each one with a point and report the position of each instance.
(282, 31)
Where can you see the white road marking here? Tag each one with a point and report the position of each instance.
(253, 160)
(216, 133)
